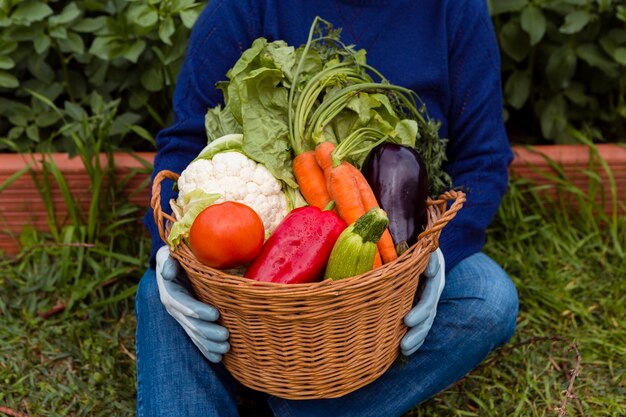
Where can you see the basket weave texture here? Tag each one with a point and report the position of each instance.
(316, 340)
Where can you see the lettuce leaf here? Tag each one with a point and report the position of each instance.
(266, 133)
(226, 143)
(193, 204)
(218, 122)
(256, 97)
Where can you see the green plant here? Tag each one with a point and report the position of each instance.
(563, 65)
(71, 52)
(67, 337)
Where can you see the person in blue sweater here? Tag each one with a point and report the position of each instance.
(446, 51)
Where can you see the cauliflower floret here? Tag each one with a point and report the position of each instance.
(237, 178)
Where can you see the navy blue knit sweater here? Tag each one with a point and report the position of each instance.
(445, 50)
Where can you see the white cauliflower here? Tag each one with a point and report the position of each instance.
(235, 177)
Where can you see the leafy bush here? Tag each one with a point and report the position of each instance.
(82, 54)
(563, 67)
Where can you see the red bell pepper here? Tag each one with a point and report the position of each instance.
(298, 250)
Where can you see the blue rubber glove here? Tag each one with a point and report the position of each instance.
(420, 319)
(196, 318)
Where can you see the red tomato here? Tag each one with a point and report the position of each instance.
(226, 235)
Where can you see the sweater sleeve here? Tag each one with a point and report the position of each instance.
(479, 153)
(223, 30)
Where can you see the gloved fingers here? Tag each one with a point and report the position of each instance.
(433, 288)
(175, 297)
(433, 264)
(216, 348)
(161, 256)
(208, 337)
(426, 304)
(213, 351)
(208, 330)
(213, 357)
(204, 311)
(210, 351)
(414, 337)
(170, 269)
(417, 315)
(412, 350)
(441, 274)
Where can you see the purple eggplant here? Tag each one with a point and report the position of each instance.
(397, 175)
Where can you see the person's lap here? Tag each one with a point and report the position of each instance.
(476, 313)
(173, 377)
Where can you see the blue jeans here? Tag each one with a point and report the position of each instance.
(476, 313)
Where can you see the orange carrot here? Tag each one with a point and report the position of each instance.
(323, 154)
(386, 247)
(344, 191)
(341, 179)
(385, 244)
(311, 179)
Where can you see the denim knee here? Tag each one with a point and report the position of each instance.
(501, 302)
(495, 301)
(147, 296)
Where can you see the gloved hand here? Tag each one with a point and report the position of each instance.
(198, 319)
(420, 319)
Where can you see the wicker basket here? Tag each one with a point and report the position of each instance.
(316, 340)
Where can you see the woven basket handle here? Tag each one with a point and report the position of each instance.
(459, 199)
(155, 201)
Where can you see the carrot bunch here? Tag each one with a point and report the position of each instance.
(322, 181)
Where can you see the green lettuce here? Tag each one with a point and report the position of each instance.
(257, 99)
(193, 203)
(219, 122)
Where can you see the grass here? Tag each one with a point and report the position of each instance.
(67, 334)
(67, 310)
(569, 270)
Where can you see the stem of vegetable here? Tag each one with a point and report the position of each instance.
(371, 225)
(332, 105)
(296, 76)
(354, 144)
(350, 70)
(339, 74)
(330, 206)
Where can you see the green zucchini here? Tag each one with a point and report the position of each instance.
(355, 249)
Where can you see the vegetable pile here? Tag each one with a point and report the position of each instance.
(334, 160)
